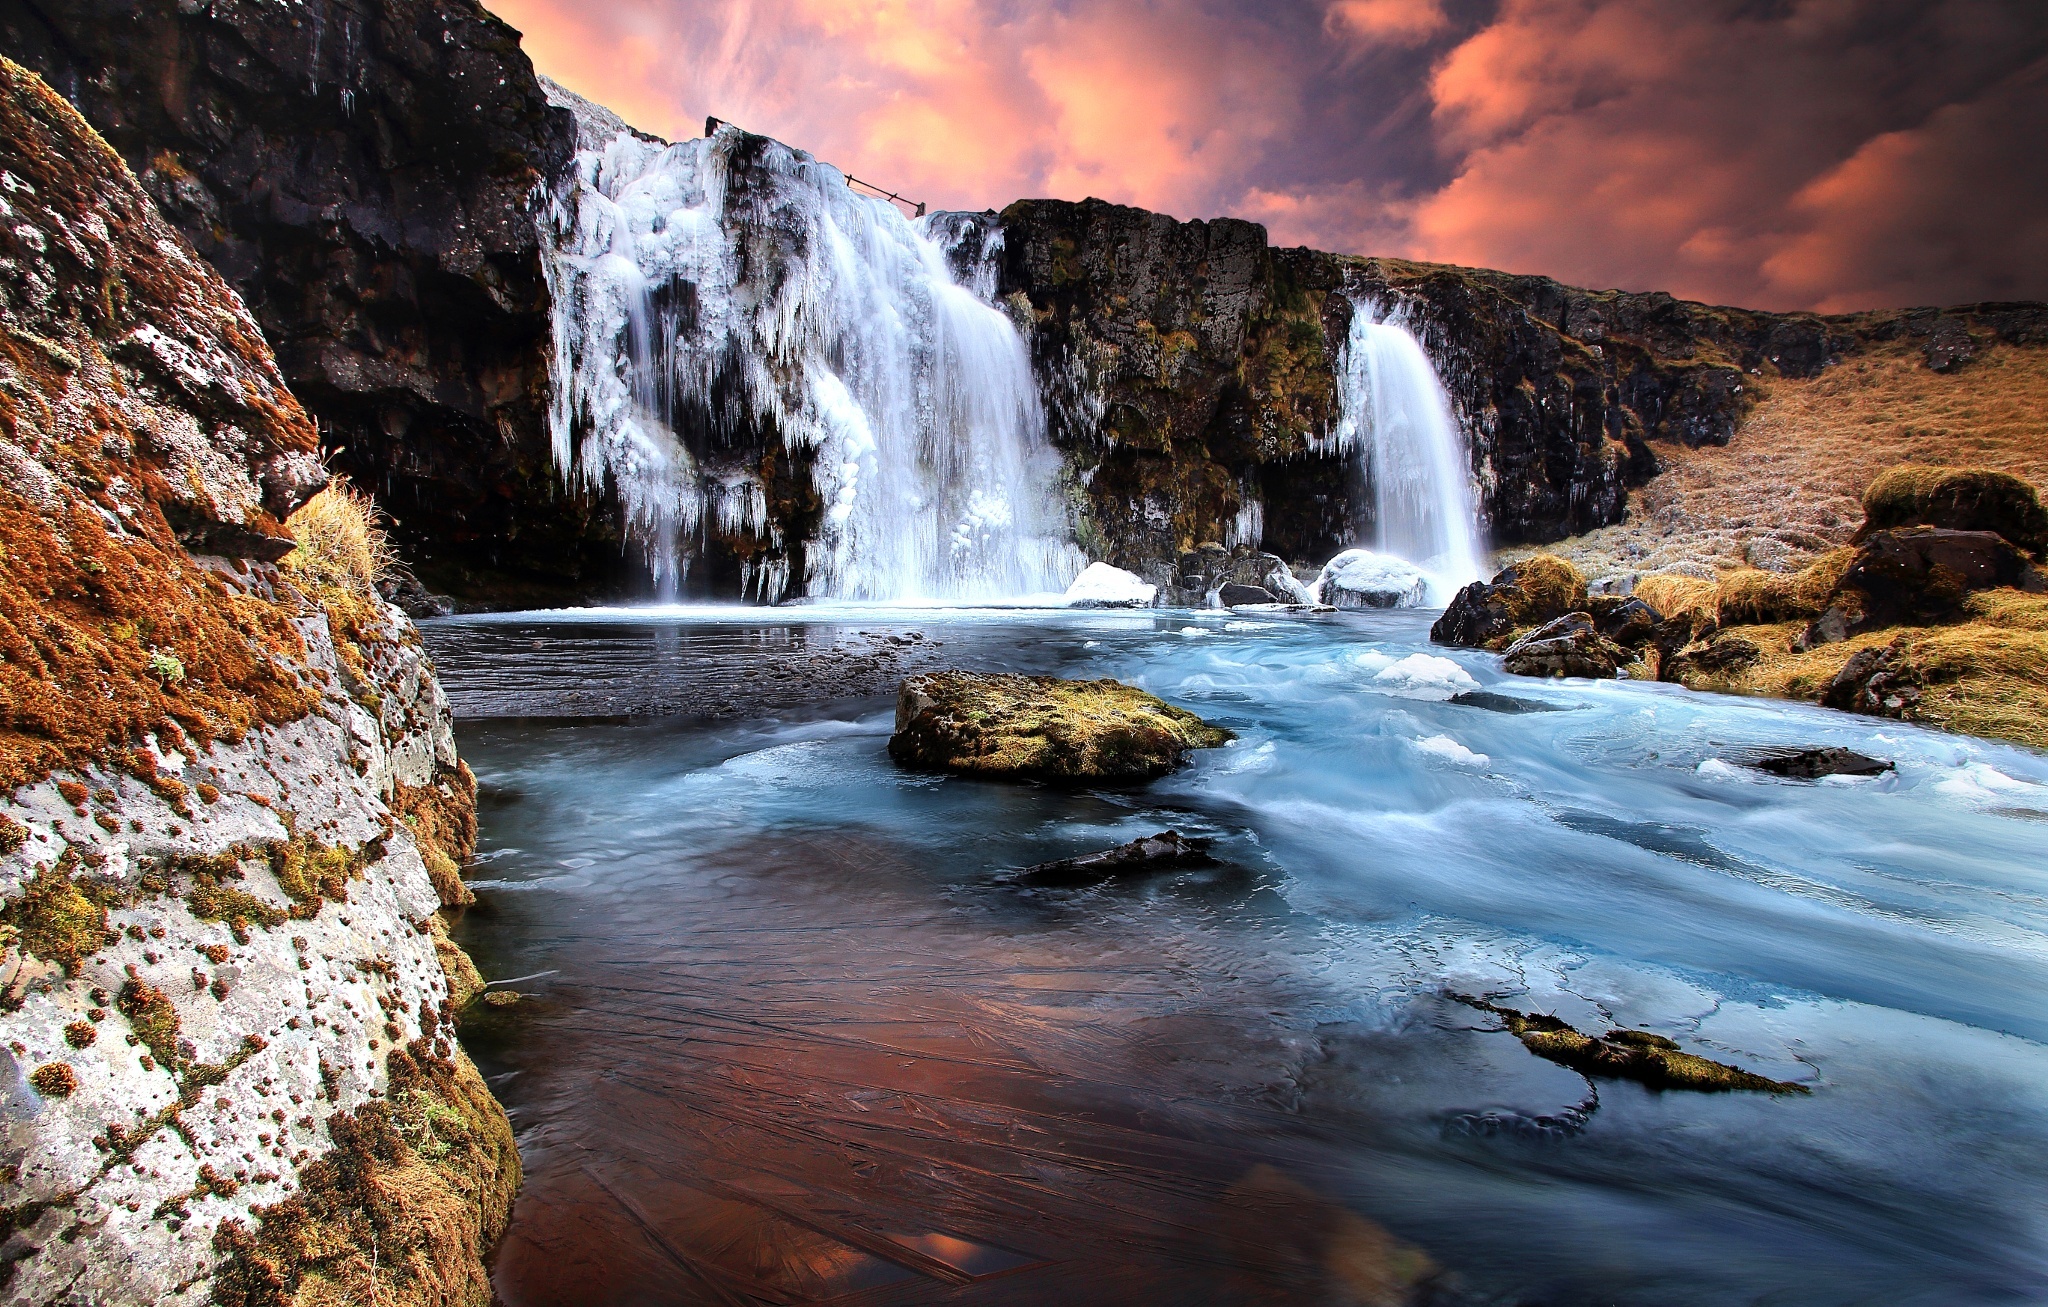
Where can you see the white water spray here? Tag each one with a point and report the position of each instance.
(1395, 408)
(728, 285)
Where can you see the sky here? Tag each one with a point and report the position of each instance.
(1783, 154)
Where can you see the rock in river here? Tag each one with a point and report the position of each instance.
(1812, 764)
(1569, 646)
(1042, 727)
(1160, 852)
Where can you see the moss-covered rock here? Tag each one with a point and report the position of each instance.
(1043, 728)
(1959, 498)
(1636, 1055)
(1528, 594)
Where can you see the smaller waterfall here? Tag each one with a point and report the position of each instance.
(1395, 409)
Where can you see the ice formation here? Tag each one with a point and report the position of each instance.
(1360, 578)
(1103, 586)
(718, 290)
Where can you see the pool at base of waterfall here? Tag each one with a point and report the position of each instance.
(792, 1027)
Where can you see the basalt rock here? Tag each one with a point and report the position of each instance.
(1880, 681)
(1162, 852)
(361, 171)
(1042, 728)
(1813, 764)
(1707, 660)
(1920, 573)
(1567, 646)
(1236, 596)
(1960, 499)
(1486, 613)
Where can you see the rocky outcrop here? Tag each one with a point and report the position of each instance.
(225, 1008)
(1567, 646)
(1960, 499)
(1042, 728)
(361, 172)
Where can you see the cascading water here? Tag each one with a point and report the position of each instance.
(731, 285)
(1395, 409)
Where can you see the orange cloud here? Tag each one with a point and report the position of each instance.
(1805, 153)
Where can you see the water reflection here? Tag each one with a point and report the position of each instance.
(804, 1044)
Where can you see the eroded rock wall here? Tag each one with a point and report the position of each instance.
(226, 1061)
(361, 171)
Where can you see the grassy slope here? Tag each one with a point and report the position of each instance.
(1789, 488)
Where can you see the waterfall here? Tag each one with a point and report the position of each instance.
(717, 297)
(1394, 407)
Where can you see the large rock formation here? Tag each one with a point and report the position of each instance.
(362, 172)
(225, 994)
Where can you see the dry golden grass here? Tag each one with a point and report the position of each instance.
(1791, 483)
(341, 544)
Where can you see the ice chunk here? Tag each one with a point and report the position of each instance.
(1443, 746)
(1424, 676)
(1103, 586)
(1360, 578)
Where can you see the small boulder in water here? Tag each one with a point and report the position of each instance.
(1160, 852)
(1360, 578)
(1812, 764)
(1103, 586)
(1569, 646)
(1501, 703)
(1042, 728)
(1635, 1055)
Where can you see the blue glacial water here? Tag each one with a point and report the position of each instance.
(790, 1018)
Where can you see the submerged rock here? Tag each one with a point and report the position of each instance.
(1160, 852)
(1360, 578)
(1635, 1055)
(1042, 727)
(1812, 764)
(1569, 646)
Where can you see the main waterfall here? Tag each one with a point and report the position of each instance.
(731, 285)
(1393, 407)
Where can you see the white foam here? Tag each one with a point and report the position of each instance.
(1443, 746)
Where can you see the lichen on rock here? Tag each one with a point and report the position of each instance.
(1042, 728)
(220, 946)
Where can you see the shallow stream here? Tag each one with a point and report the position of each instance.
(793, 1035)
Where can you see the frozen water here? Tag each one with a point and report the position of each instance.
(1395, 409)
(712, 291)
(1103, 586)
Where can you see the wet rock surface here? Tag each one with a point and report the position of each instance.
(1042, 728)
(1530, 593)
(1501, 703)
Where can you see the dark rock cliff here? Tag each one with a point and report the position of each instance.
(1190, 371)
(360, 170)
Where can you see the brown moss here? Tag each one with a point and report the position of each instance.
(81, 1034)
(153, 1017)
(1962, 498)
(1749, 597)
(1635, 1055)
(54, 1080)
(1043, 727)
(400, 1211)
(442, 819)
(56, 922)
(12, 834)
(465, 982)
(1546, 587)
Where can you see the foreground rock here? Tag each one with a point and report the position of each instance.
(1042, 728)
(1628, 1055)
(1162, 852)
(230, 810)
(1487, 614)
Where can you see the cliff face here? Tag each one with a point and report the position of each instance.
(225, 995)
(360, 170)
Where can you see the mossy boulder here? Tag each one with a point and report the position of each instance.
(1488, 614)
(1959, 498)
(1568, 646)
(1042, 728)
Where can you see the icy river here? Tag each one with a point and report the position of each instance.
(792, 1032)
